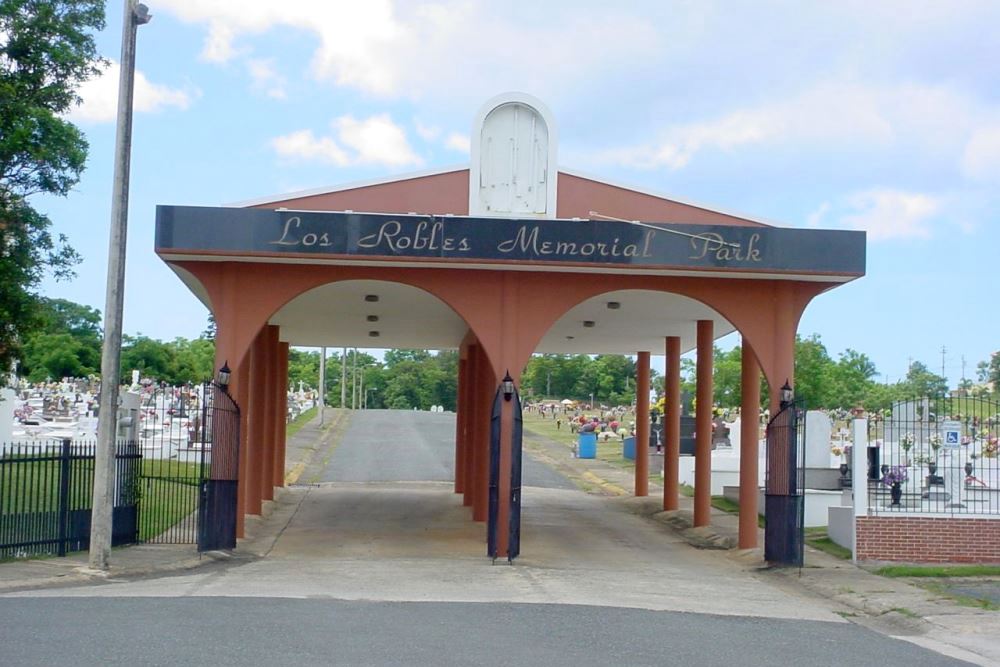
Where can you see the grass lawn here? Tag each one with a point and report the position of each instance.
(939, 571)
(609, 451)
(296, 424)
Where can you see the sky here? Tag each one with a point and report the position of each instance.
(882, 116)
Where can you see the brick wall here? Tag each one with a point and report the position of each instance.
(928, 539)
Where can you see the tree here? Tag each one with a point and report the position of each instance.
(990, 371)
(921, 382)
(46, 50)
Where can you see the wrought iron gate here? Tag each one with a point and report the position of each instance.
(514, 518)
(784, 499)
(219, 486)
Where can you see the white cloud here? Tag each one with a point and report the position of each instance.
(374, 140)
(100, 97)
(306, 146)
(401, 48)
(458, 142)
(427, 132)
(891, 214)
(981, 157)
(266, 78)
(815, 218)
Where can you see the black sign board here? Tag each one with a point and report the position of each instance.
(246, 231)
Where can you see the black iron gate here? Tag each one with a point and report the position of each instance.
(219, 488)
(514, 518)
(784, 492)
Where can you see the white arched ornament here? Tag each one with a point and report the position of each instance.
(513, 161)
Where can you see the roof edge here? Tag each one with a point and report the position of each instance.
(354, 185)
(669, 197)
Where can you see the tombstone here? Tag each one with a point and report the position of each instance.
(818, 432)
(734, 433)
(7, 398)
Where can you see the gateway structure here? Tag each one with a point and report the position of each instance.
(501, 259)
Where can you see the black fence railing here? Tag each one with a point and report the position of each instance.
(46, 491)
(935, 456)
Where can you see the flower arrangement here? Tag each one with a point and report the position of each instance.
(936, 441)
(906, 442)
(896, 475)
(836, 451)
(990, 448)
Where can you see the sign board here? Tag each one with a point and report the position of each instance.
(951, 434)
(321, 235)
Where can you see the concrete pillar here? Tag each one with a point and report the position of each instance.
(241, 392)
(703, 427)
(672, 424)
(281, 413)
(749, 435)
(473, 369)
(785, 323)
(267, 418)
(254, 426)
(642, 425)
(485, 399)
(460, 416)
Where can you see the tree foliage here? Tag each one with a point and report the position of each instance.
(46, 50)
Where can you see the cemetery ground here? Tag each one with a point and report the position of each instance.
(608, 576)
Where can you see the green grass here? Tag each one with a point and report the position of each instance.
(686, 490)
(817, 538)
(725, 504)
(939, 571)
(304, 418)
(168, 491)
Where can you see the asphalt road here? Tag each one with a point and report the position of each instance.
(406, 445)
(240, 631)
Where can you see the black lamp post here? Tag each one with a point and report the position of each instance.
(222, 377)
(507, 386)
(787, 395)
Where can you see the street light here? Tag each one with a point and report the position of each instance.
(787, 395)
(507, 386)
(222, 377)
(134, 15)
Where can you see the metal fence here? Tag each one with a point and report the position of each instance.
(935, 456)
(46, 490)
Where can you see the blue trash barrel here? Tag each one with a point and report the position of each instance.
(628, 448)
(586, 447)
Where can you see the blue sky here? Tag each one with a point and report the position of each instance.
(881, 116)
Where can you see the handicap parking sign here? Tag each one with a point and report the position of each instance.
(952, 434)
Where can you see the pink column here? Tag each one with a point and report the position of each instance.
(642, 425)
(703, 426)
(672, 424)
(749, 433)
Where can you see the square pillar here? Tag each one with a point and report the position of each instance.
(749, 444)
(280, 414)
(703, 426)
(672, 424)
(642, 425)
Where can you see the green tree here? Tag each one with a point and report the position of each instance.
(921, 382)
(989, 371)
(46, 50)
(152, 358)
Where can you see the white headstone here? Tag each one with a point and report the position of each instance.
(7, 397)
(818, 430)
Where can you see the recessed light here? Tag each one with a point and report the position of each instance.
(614, 305)
(570, 337)
(372, 318)
(371, 298)
(589, 324)
(373, 334)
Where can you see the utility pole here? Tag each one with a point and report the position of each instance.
(963, 369)
(354, 381)
(943, 350)
(361, 391)
(322, 384)
(343, 379)
(133, 16)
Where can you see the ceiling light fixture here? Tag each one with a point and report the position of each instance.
(371, 298)
(614, 305)
(589, 324)
(372, 318)
(373, 334)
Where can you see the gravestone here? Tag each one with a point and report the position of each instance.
(818, 432)
(7, 397)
